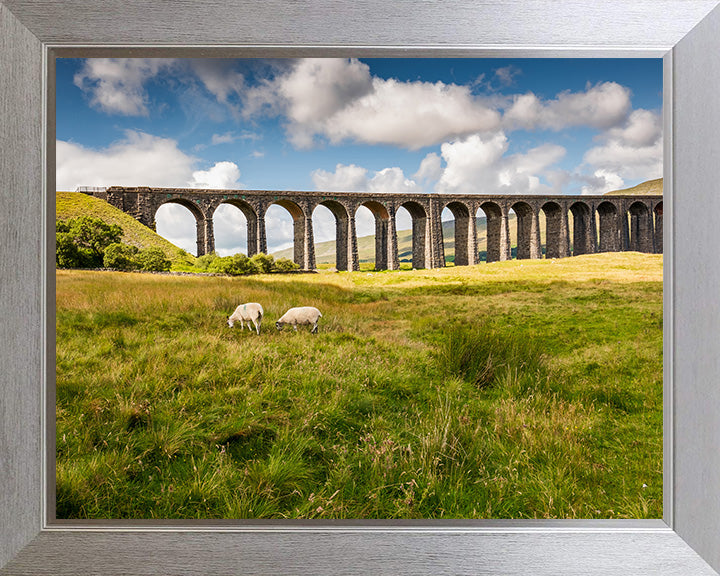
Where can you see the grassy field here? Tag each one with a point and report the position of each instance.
(522, 389)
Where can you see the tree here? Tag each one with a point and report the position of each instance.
(284, 265)
(91, 236)
(67, 254)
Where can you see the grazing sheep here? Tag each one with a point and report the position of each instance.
(247, 312)
(299, 316)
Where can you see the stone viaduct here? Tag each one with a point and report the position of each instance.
(598, 223)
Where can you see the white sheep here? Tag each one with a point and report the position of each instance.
(247, 312)
(299, 316)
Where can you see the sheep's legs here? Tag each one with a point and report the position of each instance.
(257, 326)
(314, 330)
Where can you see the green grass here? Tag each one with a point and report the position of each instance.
(649, 188)
(526, 389)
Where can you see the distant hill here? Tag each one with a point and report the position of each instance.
(649, 188)
(325, 251)
(73, 204)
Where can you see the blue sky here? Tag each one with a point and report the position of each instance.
(506, 126)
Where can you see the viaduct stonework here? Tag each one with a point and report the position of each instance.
(598, 223)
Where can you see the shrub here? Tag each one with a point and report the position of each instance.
(236, 265)
(243, 265)
(203, 262)
(220, 265)
(263, 262)
(121, 257)
(284, 265)
(239, 264)
(153, 260)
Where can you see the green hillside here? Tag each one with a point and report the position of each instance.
(649, 188)
(73, 204)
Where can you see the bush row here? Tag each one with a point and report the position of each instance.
(120, 256)
(87, 242)
(240, 264)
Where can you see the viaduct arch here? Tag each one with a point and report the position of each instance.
(573, 224)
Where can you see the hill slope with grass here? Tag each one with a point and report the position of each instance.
(74, 204)
(649, 188)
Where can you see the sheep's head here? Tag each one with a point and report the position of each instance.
(230, 322)
(278, 325)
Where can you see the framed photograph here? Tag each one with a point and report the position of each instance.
(684, 541)
(449, 239)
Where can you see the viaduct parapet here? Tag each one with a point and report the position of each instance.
(573, 224)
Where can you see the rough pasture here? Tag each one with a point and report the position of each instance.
(536, 393)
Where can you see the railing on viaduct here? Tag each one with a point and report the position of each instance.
(599, 223)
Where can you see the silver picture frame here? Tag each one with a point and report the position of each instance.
(685, 33)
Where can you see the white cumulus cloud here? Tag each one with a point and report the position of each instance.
(600, 106)
(633, 150)
(430, 169)
(223, 175)
(643, 128)
(352, 178)
(392, 180)
(338, 99)
(477, 165)
(468, 161)
(218, 77)
(139, 159)
(117, 85)
(346, 178)
(411, 115)
(602, 181)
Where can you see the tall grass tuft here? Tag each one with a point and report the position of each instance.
(485, 357)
